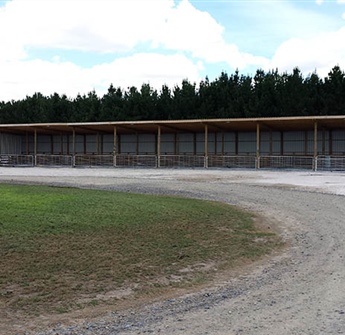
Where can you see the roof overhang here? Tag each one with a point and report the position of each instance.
(174, 126)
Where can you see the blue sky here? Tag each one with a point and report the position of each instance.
(75, 46)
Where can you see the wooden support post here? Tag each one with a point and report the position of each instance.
(223, 144)
(281, 143)
(206, 147)
(137, 144)
(84, 144)
(315, 139)
(215, 143)
(35, 147)
(73, 147)
(315, 147)
(258, 145)
(73, 142)
(159, 147)
(194, 144)
(0, 143)
(114, 147)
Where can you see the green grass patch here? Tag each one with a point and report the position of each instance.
(65, 248)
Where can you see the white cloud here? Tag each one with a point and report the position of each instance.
(152, 68)
(319, 2)
(179, 41)
(191, 39)
(117, 26)
(87, 25)
(197, 32)
(21, 78)
(320, 53)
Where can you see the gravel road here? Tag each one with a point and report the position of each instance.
(299, 291)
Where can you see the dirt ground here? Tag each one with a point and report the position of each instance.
(299, 291)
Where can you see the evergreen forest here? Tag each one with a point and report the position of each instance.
(266, 94)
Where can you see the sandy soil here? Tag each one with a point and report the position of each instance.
(300, 291)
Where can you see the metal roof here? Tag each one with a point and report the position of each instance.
(173, 126)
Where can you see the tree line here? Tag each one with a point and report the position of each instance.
(266, 94)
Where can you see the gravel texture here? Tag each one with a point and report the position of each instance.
(299, 291)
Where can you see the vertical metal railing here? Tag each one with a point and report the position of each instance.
(16, 160)
(319, 163)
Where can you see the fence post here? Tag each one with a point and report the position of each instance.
(257, 162)
(206, 162)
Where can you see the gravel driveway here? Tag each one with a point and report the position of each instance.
(300, 291)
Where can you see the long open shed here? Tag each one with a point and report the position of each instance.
(313, 142)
